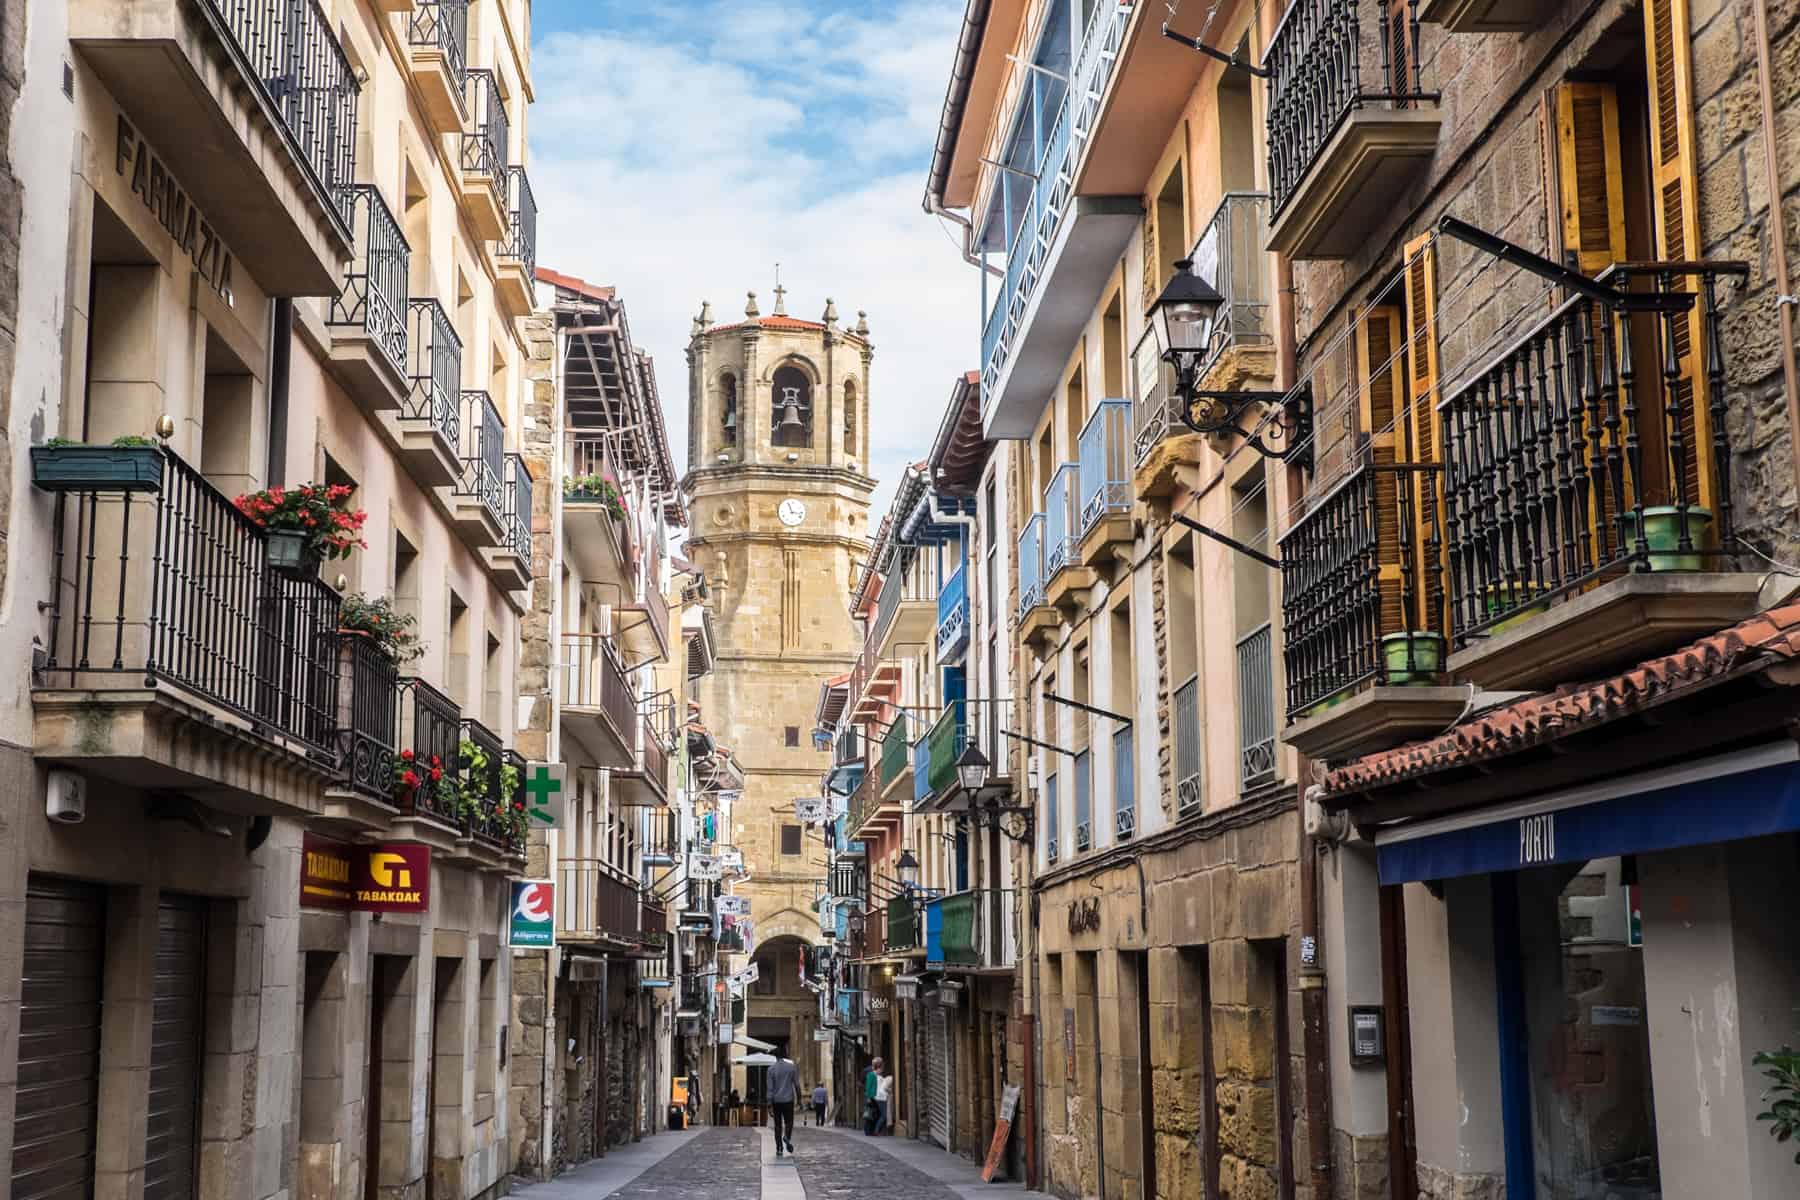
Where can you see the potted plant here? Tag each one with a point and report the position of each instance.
(1662, 530)
(1515, 599)
(1782, 1068)
(596, 489)
(1412, 658)
(422, 783)
(126, 464)
(472, 797)
(512, 808)
(378, 620)
(305, 524)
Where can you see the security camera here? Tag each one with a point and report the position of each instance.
(65, 797)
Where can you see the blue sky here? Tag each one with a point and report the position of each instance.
(679, 151)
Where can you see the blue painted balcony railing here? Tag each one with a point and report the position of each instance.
(953, 617)
(1031, 564)
(921, 754)
(1105, 450)
(1060, 519)
(934, 932)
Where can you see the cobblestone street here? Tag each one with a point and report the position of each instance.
(740, 1164)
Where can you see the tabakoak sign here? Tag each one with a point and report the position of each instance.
(393, 877)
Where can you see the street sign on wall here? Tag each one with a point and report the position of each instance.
(546, 785)
(532, 920)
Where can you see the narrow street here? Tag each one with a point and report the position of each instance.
(740, 1164)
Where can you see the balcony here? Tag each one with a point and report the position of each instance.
(953, 618)
(1484, 16)
(368, 314)
(595, 525)
(480, 807)
(485, 196)
(1228, 255)
(176, 658)
(1586, 508)
(902, 927)
(645, 784)
(1186, 735)
(430, 739)
(1065, 247)
(437, 49)
(517, 251)
(246, 108)
(876, 804)
(1066, 580)
(597, 903)
(642, 629)
(1037, 620)
(477, 497)
(1256, 707)
(943, 743)
(1103, 501)
(979, 929)
(906, 612)
(1348, 127)
(1363, 615)
(874, 682)
(510, 562)
(599, 707)
(365, 734)
(430, 418)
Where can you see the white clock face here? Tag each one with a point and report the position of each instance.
(791, 512)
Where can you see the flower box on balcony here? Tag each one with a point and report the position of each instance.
(97, 468)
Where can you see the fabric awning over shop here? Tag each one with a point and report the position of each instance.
(744, 1039)
(1751, 793)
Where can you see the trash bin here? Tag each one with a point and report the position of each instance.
(677, 1117)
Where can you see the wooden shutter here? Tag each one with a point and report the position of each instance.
(1591, 174)
(1380, 385)
(1674, 179)
(1397, 33)
(1421, 427)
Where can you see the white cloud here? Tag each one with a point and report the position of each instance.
(679, 161)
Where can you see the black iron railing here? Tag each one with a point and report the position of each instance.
(373, 298)
(1327, 59)
(1566, 456)
(594, 678)
(367, 725)
(1256, 706)
(1352, 575)
(443, 25)
(513, 833)
(518, 507)
(290, 47)
(175, 588)
(483, 454)
(1186, 736)
(435, 354)
(520, 242)
(478, 782)
(484, 148)
(431, 729)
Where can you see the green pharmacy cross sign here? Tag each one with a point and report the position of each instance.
(544, 792)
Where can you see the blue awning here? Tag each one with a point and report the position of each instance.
(1751, 794)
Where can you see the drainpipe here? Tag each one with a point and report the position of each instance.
(281, 348)
(1785, 300)
(1315, 1042)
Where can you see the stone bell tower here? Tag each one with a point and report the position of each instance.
(778, 494)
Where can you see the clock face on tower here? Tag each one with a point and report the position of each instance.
(791, 512)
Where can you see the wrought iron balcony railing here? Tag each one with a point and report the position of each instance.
(1186, 736)
(1124, 790)
(1353, 573)
(1327, 59)
(443, 25)
(1256, 706)
(433, 378)
(373, 298)
(597, 900)
(593, 677)
(518, 507)
(901, 586)
(479, 780)
(921, 761)
(849, 746)
(953, 616)
(430, 739)
(1031, 564)
(1230, 256)
(1105, 463)
(1061, 519)
(1563, 461)
(484, 148)
(290, 46)
(368, 710)
(520, 242)
(175, 587)
(483, 454)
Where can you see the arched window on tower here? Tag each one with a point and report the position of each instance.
(791, 408)
(728, 418)
(849, 417)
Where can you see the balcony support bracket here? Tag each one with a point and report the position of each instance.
(1288, 436)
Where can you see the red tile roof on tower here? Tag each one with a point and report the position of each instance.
(572, 283)
(782, 321)
(1754, 644)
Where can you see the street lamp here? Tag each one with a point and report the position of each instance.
(972, 768)
(908, 869)
(1184, 319)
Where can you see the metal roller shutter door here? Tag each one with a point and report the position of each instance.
(178, 1007)
(937, 1050)
(59, 1041)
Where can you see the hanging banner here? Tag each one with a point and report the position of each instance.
(731, 860)
(703, 867)
(1009, 1104)
(733, 906)
(745, 977)
(532, 924)
(545, 785)
(809, 810)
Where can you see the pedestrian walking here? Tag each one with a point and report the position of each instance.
(783, 1092)
(884, 1091)
(871, 1107)
(820, 1098)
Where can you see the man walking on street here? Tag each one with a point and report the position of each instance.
(784, 1090)
(820, 1098)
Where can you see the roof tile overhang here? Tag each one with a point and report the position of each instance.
(1766, 640)
(960, 449)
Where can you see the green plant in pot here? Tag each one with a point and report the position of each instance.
(131, 463)
(1782, 1069)
(1412, 658)
(512, 808)
(1662, 530)
(388, 628)
(596, 489)
(305, 525)
(473, 804)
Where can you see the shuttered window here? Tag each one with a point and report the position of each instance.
(1422, 374)
(58, 1090)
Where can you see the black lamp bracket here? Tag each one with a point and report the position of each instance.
(1288, 436)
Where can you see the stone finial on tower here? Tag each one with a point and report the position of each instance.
(706, 313)
(830, 317)
(780, 301)
(750, 309)
(862, 322)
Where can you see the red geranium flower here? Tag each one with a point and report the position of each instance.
(408, 755)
